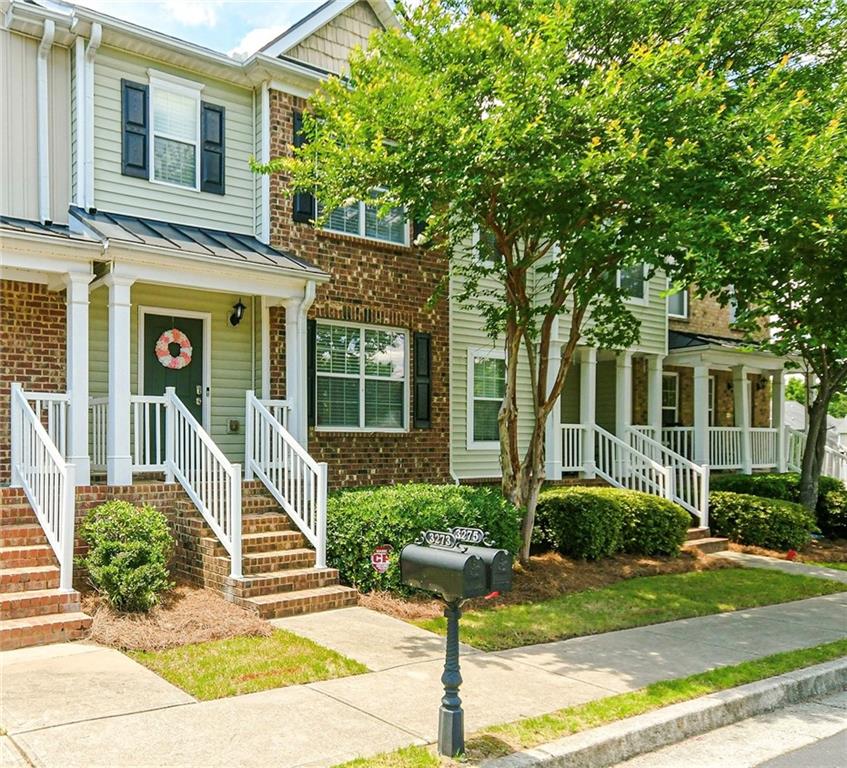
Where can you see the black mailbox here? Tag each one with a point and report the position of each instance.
(453, 573)
(498, 566)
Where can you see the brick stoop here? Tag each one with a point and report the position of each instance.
(702, 540)
(279, 577)
(33, 611)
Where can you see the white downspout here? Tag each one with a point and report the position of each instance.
(79, 107)
(43, 127)
(265, 234)
(90, 54)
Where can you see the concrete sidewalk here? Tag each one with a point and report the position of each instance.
(786, 566)
(81, 705)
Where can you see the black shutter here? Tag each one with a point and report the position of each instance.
(423, 381)
(311, 370)
(212, 142)
(418, 227)
(135, 130)
(303, 203)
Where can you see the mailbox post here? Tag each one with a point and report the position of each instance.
(452, 564)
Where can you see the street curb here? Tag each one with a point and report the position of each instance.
(612, 744)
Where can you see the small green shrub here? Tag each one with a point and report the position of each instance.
(652, 525)
(832, 513)
(358, 521)
(128, 552)
(759, 521)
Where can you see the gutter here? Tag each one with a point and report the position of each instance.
(43, 118)
(90, 54)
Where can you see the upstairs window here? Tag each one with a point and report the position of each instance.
(678, 304)
(670, 399)
(633, 283)
(486, 388)
(364, 221)
(175, 145)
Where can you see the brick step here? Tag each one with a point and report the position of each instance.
(39, 602)
(707, 545)
(19, 513)
(26, 556)
(262, 542)
(40, 630)
(289, 580)
(267, 522)
(30, 578)
(279, 605)
(697, 533)
(20, 535)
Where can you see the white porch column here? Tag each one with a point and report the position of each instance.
(588, 407)
(778, 418)
(118, 457)
(654, 395)
(623, 393)
(296, 363)
(265, 330)
(741, 394)
(553, 434)
(701, 414)
(76, 285)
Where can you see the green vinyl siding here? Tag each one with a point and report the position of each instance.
(233, 211)
(605, 401)
(230, 351)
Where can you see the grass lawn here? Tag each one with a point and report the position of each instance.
(838, 566)
(241, 665)
(632, 603)
(502, 740)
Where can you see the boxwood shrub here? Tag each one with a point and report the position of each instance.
(591, 523)
(759, 521)
(358, 521)
(832, 513)
(128, 552)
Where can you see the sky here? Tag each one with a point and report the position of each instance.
(234, 27)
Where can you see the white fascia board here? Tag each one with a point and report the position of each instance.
(721, 358)
(47, 254)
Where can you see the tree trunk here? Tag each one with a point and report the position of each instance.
(813, 452)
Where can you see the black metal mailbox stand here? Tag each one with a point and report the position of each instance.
(451, 717)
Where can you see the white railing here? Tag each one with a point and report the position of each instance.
(764, 447)
(98, 415)
(47, 480)
(148, 429)
(206, 475)
(835, 463)
(51, 409)
(680, 440)
(293, 477)
(725, 447)
(572, 435)
(653, 433)
(690, 487)
(619, 464)
(795, 444)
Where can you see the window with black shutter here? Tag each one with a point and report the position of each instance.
(423, 380)
(212, 140)
(135, 130)
(304, 202)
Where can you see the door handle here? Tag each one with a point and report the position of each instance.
(198, 401)
(199, 390)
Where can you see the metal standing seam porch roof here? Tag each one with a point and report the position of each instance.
(196, 241)
(678, 340)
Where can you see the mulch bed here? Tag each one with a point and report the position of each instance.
(820, 551)
(547, 576)
(186, 615)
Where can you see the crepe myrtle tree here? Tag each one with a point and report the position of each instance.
(571, 135)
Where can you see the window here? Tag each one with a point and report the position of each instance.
(712, 401)
(485, 247)
(364, 220)
(678, 304)
(670, 399)
(175, 107)
(361, 377)
(733, 306)
(632, 281)
(486, 387)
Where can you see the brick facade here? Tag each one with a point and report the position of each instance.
(32, 348)
(376, 284)
(705, 316)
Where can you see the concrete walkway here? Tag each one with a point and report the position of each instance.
(786, 566)
(81, 705)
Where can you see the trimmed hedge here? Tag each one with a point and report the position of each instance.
(358, 521)
(591, 523)
(759, 521)
(831, 514)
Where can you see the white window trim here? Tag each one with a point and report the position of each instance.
(167, 82)
(675, 376)
(479, 445)
(484, 263)
(641, 301)
(361, 233)
(713, 391)
(362, 377)
(685, 311)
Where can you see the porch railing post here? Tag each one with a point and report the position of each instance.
(16, 434)
(170, 436)
(704, 499)
(235, 520)
(249, 417)
(320, 548)
(66, 538)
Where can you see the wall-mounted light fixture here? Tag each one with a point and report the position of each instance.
(237, 313)
(761, 383)
(729, 386)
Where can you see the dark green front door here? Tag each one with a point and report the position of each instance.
(186, 380)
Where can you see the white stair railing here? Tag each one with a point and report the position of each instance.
(572, 437)
(47, 480)
(795, 444)
(690, 487)
(619, 464)
(148, 425)
(764, 447)
(680, 440)
(834, 460)
(51, 409)
(835, 464)
(206, 475)
(293, 477)
(725, 447)
(98, 415)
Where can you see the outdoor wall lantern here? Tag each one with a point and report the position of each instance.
(452, 564)
(237, 313)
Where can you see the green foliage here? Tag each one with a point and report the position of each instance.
(832, 513)
(128, 552)
(596, 522)
(761, 522)
(358, 521)
(795, 389)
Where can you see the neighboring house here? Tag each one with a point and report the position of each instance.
(836, 429)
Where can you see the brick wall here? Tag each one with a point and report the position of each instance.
(375, 284)
(32, 348)
(705, 316)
